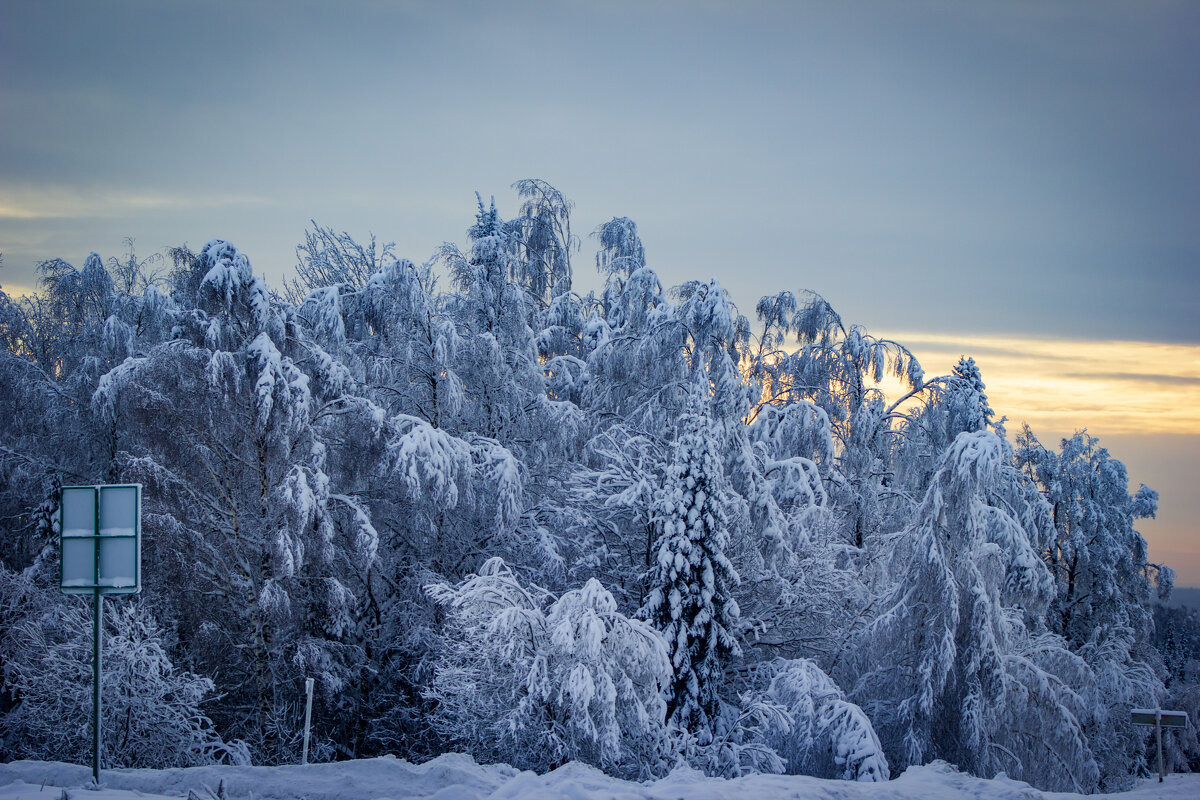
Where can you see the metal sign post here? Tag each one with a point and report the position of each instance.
(100, 543)
(1159, 719)
(308, 687)
(97, 649)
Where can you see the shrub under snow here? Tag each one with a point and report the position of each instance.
(537, 681)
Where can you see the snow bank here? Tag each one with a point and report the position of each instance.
(458, 777)
(447, 776)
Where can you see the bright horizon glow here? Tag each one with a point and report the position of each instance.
(34, 202)
(15, 290)
(1059, 386)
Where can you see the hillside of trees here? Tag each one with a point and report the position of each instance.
(488, 514)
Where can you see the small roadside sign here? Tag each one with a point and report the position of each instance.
(100, 544)
(1153, 716)
(100, 539)
(1160, 718)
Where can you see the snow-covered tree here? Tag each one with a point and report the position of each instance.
(827, 736)
(952, 404)
(498, 354)
(219, 424)
(330, 259)
(544, 241)
(692, 581)
(1098, 559)
(1104, 586)
(944, 668)
(621, 250)
(610, 518)
(153, 715)
(638, 371)
(1177, 639)
(536, 681)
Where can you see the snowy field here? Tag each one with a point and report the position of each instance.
(458, 777)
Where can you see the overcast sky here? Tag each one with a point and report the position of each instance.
(1020, 170)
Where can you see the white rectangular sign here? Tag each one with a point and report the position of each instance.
(101, 539)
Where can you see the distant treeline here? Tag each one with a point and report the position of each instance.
(631, 528)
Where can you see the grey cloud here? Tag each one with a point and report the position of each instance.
(987, 167)
(943, 346)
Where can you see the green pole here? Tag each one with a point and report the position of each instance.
(97, 629)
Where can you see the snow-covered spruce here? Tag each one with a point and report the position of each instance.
(691, 581)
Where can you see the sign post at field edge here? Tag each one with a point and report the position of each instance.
(1160, 719)
(100, 544)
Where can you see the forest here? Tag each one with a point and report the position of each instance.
(488, 514)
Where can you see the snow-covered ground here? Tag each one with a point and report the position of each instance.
(458, 777)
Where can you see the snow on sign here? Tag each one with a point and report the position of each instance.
(101, 539)
(1154, 716)
(1159, 719)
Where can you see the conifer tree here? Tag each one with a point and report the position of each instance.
(691, 600)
